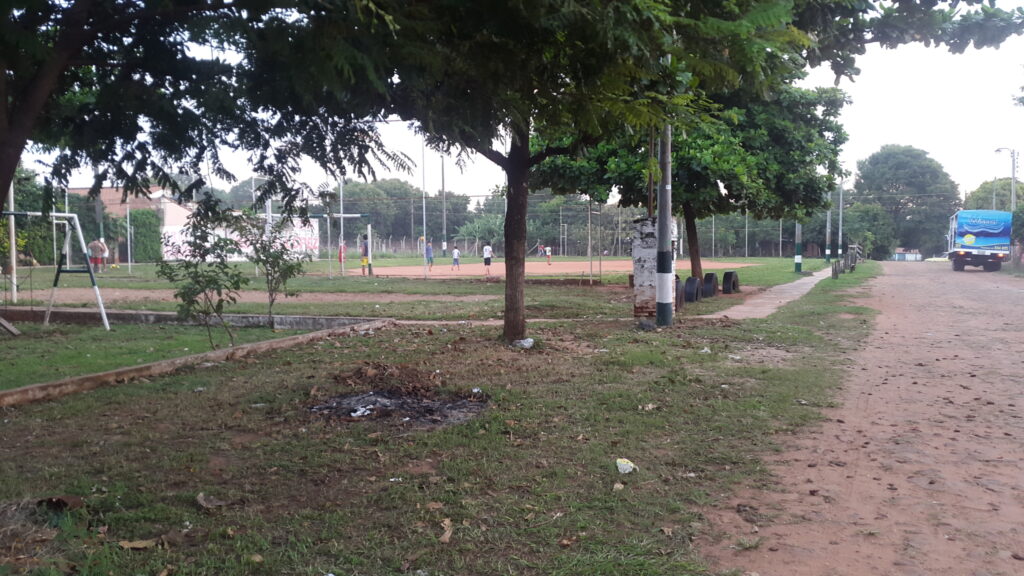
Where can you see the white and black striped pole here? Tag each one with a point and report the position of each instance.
(664, 288)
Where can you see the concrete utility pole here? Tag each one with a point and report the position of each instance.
(798, 256)
(444, 214)
(839, 237)
(12, 253)
(1013, 178)
(664, 288)
(828, 230)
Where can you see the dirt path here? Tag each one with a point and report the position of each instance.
(919, 471)
(474, 267)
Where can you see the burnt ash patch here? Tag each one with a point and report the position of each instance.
(401, 395)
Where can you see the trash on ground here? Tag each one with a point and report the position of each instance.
(405, 394)
(706, 350)
(524, 344)
(625, 466)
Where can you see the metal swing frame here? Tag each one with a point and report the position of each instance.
(61, 269)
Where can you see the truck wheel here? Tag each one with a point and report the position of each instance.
(992, 266)
(958, 265)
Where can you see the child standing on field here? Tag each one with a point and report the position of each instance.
(488, 254)
(547, 252)
(455, 259)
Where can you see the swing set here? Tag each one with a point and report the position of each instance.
(65, 218)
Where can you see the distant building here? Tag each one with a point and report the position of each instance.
(302, 239)
(905, 255)
(111, 199)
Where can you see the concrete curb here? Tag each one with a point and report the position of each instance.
(50, 390)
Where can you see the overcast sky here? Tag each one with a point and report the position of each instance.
(957, 107)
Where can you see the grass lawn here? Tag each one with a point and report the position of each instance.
(224, 470)
(49, 353)
(611, 299)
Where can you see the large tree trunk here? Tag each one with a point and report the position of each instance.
(517, 170)
(692, 241)
(19, 117)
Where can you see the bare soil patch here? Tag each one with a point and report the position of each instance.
(918, 472)
(535, 267)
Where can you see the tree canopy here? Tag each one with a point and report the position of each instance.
(137, 90)
(915, 192)
(991, 195)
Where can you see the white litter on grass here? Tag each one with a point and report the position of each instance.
(735, 357)
(396, 479)
(477, 390)
(362, 411)
(524, 344)
(601, 350)
(706, 350)
(200, 389)
(625, 466)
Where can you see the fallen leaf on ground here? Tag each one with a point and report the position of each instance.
(434, 505)
(448, 529)
(137, 544)
(209, 502)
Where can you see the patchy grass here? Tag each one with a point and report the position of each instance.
(48, 353)
(529, 487)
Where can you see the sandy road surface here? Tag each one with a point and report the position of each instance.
(920, 472)
(473, 266)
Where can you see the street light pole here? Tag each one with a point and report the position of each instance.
(1013, 177)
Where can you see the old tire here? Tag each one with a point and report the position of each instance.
(710, 285)
(730, 282)
(958, 265)
(693, 289)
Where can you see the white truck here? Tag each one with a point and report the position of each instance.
(979, 238)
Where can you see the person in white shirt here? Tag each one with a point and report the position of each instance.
(488, 254)
(455, 259)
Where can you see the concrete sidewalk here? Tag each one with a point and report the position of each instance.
(764, 304)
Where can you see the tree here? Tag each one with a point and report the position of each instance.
(465, 76)
(206, 281)
(770, 157)
(991, 195)
(869, 226)
(137, 89)
(915, 192)
(271, 253)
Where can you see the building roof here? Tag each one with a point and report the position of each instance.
(111, 198)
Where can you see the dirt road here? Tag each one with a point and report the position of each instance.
(920, 471)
